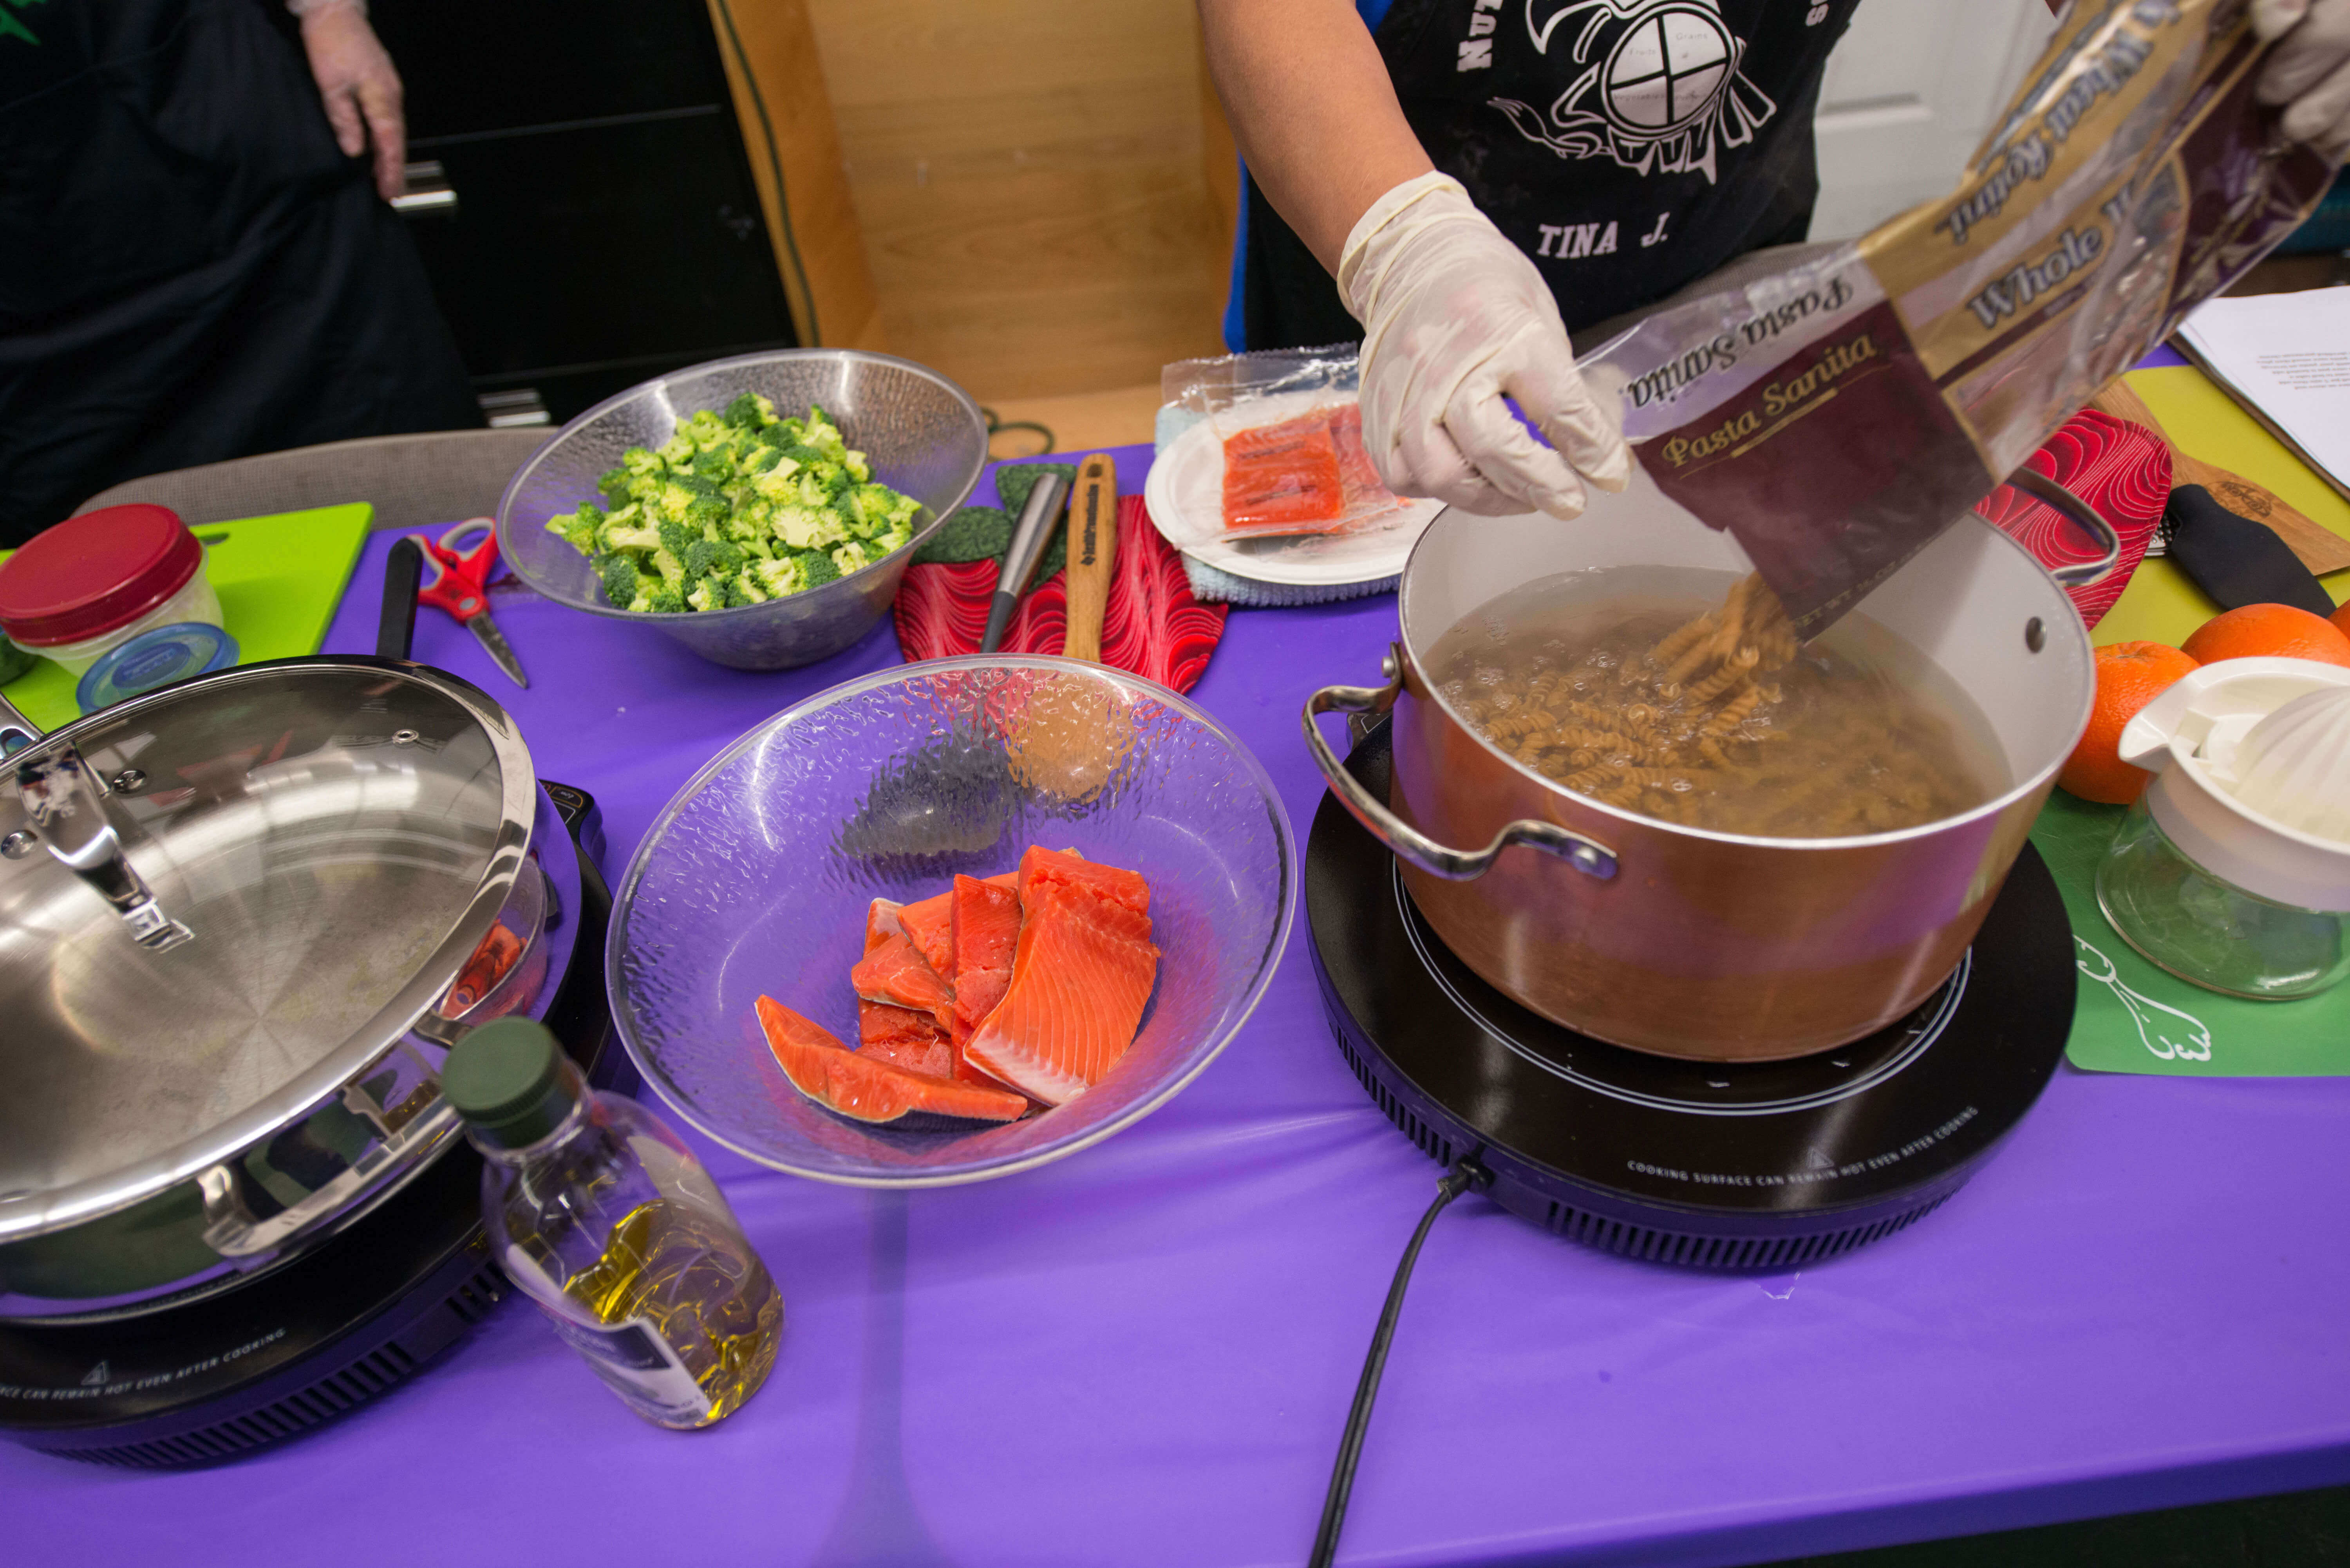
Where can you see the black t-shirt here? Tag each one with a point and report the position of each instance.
(1628, 147)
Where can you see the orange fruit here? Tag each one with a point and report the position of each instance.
(2278, 631)
(2129, 675)
(2341, 619)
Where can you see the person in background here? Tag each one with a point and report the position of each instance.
(197, 261)
(1480, 177)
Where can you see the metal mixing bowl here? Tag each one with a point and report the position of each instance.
(757, 878)
(922, 434)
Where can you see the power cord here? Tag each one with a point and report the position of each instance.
(1465, 1174)
(775, 168)
(996, 425)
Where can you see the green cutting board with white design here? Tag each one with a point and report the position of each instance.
(279, 579)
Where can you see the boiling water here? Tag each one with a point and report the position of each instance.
(1858, 734)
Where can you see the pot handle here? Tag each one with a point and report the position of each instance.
(1409, 844)
(2055, 496)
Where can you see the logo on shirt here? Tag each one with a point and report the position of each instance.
(1658, 88)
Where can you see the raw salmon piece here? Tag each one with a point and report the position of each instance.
(1067, 866)
(880, 919)
(864, 1088)
(1081, 977)
(905, 1038)
(929, 922)
(986, 931)
(894, 972)
(1284, 477)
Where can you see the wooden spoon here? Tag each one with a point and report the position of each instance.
(1075, 735)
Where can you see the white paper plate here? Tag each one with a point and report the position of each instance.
(1185, 494)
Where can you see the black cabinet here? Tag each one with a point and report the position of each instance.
(603, 227)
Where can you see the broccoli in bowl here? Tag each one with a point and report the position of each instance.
(737, 508)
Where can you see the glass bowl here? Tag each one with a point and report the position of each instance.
(922, 434)
(755, 880)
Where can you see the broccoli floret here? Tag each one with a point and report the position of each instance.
(672, 570)
(676, 536)
(706, 557)
(780, 578)
(749, 522)
(808, 527)
(750, 411)
(627, 530)
(661, 598)
(759, 549)
(858, 469)
(821, 483)
(744, 588)
(874, 509)
(897, 536)
(852, 557)
(619, 575)
(802, 455)
(760, 458)
(818, 567)
(708, 594)
(615, 486)
(678, 451)
(578, 528)
(819, 431)
(707, 516)
(705, 428)
(715, 463)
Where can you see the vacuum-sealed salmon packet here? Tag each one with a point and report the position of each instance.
(1836, 416)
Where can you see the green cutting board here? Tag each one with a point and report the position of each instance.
(279, 579)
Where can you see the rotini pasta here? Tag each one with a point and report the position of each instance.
(1719, 720)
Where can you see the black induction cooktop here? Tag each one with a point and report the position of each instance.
(221, 1375)
(1728, 1166)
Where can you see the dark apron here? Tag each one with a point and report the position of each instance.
(190, 268)
(1626, 146)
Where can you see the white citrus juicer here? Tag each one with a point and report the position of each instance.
(2233, 869)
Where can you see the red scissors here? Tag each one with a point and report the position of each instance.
(460, 585)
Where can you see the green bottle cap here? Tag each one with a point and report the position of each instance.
(506, 1080)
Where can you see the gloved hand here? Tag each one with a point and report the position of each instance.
(2309, 70)
(1454, 316)
(361, 87)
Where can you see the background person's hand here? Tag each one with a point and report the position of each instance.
(2308, 71)
(1454, 315)
(361, 89)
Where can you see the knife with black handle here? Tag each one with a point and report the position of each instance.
(2235, 560)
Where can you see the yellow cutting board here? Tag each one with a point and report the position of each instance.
(2161, 605)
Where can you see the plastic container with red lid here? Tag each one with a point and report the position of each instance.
(91, 585)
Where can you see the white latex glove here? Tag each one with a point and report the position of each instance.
(359, 85)
(1454, 316)
(2309, 70)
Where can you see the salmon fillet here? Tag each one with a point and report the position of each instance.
(1040, 866)
(895, 974)
(880, 919)
(905, 1038)
(986, 930)
(864, 1088)
(1282, 478)
(1081, 976)
(931, 924)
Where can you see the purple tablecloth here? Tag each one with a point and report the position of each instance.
(1143, 1355)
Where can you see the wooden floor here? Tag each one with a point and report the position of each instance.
(1030, 182)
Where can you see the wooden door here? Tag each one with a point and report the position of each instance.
(1909, 92)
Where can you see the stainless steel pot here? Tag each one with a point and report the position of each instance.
(1676, 940)
(241, 920)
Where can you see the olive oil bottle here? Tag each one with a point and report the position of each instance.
(606, 1220)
